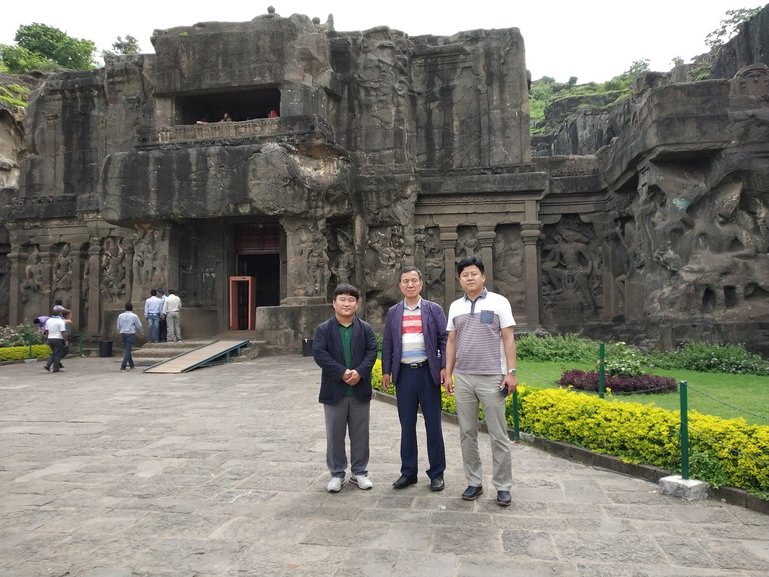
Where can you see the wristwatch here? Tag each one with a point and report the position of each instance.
(511, 372)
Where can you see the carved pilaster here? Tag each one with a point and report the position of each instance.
(15, 309)
(75, 299)
(94, 285)
(530, 233)
(486, 236)
(449, 242)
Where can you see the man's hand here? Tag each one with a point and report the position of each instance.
(385, 381)
(351, 377)
(509, 383)
(448, 383)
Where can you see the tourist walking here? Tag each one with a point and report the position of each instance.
(56, 333)
(345, 349)
(480, 354)
(128, 325)
(414, 353)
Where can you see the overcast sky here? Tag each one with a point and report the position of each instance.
(593, 40)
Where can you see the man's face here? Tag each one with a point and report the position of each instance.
(411, 284)
(471, 279)
(345, 307)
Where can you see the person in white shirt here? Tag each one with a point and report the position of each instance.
(56, 331)
(480, 354)
(171, 308)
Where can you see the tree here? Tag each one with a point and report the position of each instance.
(56, 46)
(18, 60)
(128, 46)
(729, 25)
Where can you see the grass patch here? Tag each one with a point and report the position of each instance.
(723, 395)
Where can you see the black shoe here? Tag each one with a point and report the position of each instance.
(504, 499)
(471, 493)
(437, 484)
(403, 481)
(46, 367)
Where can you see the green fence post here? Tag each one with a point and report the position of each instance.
(516, 421)
(684, 431)
(601, 370)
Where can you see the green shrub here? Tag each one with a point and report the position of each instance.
(711, 358)
(569, 347)
(21, 353)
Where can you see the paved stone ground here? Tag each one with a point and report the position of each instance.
(221, 472)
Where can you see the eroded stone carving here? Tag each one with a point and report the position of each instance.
(569, 266)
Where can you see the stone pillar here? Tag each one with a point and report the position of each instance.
(94, 286)
(15, 308)
(486, 235)
(449, 242)
(75, 294)
(46, 288)
(530, 233)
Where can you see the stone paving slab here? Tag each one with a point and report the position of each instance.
(221, 472)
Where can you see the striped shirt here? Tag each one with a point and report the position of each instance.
(479, 324)
(412, 339)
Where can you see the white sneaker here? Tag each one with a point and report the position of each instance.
(362, 481)
(335, 484)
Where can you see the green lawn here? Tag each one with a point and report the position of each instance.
(719, 394)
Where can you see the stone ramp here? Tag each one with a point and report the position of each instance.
(216, 352)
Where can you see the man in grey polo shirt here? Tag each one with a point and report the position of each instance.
(480, 354)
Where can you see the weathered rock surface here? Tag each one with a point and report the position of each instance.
(258, 164)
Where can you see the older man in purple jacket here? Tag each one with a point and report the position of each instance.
(414, 353)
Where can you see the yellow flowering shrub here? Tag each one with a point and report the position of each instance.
(21, 353)
(729, 451)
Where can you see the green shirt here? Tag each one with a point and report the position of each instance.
(346, 334)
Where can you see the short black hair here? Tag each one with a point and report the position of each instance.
(129, 307)
(470, 261)
(406, 269)
(153, 292)
(346, 289)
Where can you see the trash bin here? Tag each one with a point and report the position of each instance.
(306, 347)
(105, 349)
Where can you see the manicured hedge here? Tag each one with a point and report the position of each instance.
(725, 452)
(21, 353)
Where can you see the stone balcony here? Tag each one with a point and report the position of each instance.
(243, 132)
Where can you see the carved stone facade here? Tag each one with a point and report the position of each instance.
(349, 155)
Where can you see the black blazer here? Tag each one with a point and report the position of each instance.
(329, 355)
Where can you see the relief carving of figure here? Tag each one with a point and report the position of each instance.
(113, 268)
(467, 243)
(33, 276)
(62, 269)
(209, 284)
(434, 258)
(345, 261)
(568, 265)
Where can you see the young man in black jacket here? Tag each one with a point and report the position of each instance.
(345, 348)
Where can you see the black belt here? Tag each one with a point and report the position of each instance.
(415, 365)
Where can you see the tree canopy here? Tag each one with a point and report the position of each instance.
(43, 47)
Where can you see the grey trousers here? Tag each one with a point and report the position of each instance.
(469, 391)
(351, 415)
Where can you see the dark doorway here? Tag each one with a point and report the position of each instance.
(265, 268)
